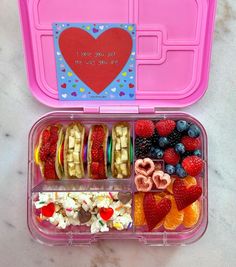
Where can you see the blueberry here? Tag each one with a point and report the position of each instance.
(197, 153)
(156, 153)
(182, 126)
(163, 142)
(178, 166)
(181, 172)
(179, 148)
(170, 169)
(194, 131)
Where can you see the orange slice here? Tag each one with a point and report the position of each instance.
(191, 214)
(139, 217)
(175, 217)
(189, 180)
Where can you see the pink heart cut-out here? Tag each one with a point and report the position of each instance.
(161, 179)
(144, 166)
(143, 183)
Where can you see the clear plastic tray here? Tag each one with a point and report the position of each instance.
(76, 235)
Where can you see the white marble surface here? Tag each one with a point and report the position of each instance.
(217, 111)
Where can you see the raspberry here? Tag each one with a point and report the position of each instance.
(45, 136)
(171, 156)
(44, 151)
(101, 171)
(193, 165)
(191, 143)
(101, 154)
(53, 150)
(165, 127)
(94, 168)
(95, 155)
(144, 128)
(49, 169)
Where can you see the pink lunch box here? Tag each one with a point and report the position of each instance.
(174, 39)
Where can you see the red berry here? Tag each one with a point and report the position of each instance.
(190, 143)
(101, 171)
(48, 210)
(49, 169)
(45, 136)
(53, 150)
(53, 129)
(94, 168)
(185, 196)
(94, 155)
(144, 128)
(101, 154)
(192, 165)
(154, 212)
(171, 156)
(44, 151)
(165, 127)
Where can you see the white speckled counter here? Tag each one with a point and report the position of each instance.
(217, 112)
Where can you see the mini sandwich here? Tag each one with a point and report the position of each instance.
(47, 151)
(97, 152)
(120, 158)
(73, 151)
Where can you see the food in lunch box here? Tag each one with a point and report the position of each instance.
(148, 174)
(120, 162)
(169, 216)
(97, 151)
(155, 212)
(73, 150)
(171, 141)
(46, 151)
(185, 196)
(101, 211)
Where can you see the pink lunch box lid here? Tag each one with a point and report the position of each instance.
(174, 40)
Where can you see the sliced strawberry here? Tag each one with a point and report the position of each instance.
(185, 196)
(154, 212)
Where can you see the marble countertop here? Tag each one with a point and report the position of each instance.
(217, 111)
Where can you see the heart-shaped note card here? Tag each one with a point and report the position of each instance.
(97, 58)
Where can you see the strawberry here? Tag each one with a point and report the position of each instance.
(192, 165)
(185, 196)
(171, 156)
(44, 151)
(190, 143)
(95, 155)
(45, 136)
(154, 212)
(165, 127)
(144, 128)
(94, 168)
(53, 138)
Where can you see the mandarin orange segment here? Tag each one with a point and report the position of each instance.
(139, 217)
(190, 180)
(191, 214)
(175, 217)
